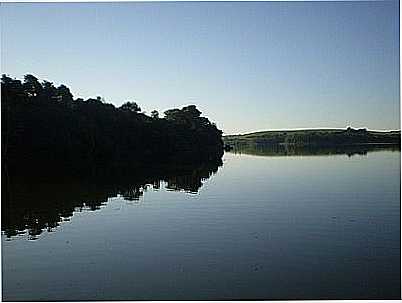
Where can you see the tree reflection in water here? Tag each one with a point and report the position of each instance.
(33, 203)
(261, 149)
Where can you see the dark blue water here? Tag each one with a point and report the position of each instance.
(262, 227)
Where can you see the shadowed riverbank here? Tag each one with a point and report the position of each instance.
(45, 127)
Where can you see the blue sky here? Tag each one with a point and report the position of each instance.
(248, 66)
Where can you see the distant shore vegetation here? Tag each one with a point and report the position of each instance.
(315, 137)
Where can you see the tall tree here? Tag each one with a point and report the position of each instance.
(130, 106)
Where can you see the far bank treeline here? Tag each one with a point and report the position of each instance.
(315, 137)
(44, 125)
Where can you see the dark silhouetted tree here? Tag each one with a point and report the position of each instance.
(154, 114)
(53, 130)
(130, 106)
(32, 86)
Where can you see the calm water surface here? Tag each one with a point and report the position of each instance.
(261, 227)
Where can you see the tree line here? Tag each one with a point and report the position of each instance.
(318, 137)
(45, 127)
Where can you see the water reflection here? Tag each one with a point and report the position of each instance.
(261, 149)
(33, 204)
(273, 228)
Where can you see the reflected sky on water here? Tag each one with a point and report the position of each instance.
(259, 227)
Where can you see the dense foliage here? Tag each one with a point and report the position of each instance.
(44, 127)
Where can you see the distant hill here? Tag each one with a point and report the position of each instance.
(317, 137)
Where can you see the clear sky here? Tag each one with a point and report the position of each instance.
(248, 66)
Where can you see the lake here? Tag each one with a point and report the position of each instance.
(267, 226)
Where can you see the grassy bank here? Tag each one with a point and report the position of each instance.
(319, 137)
